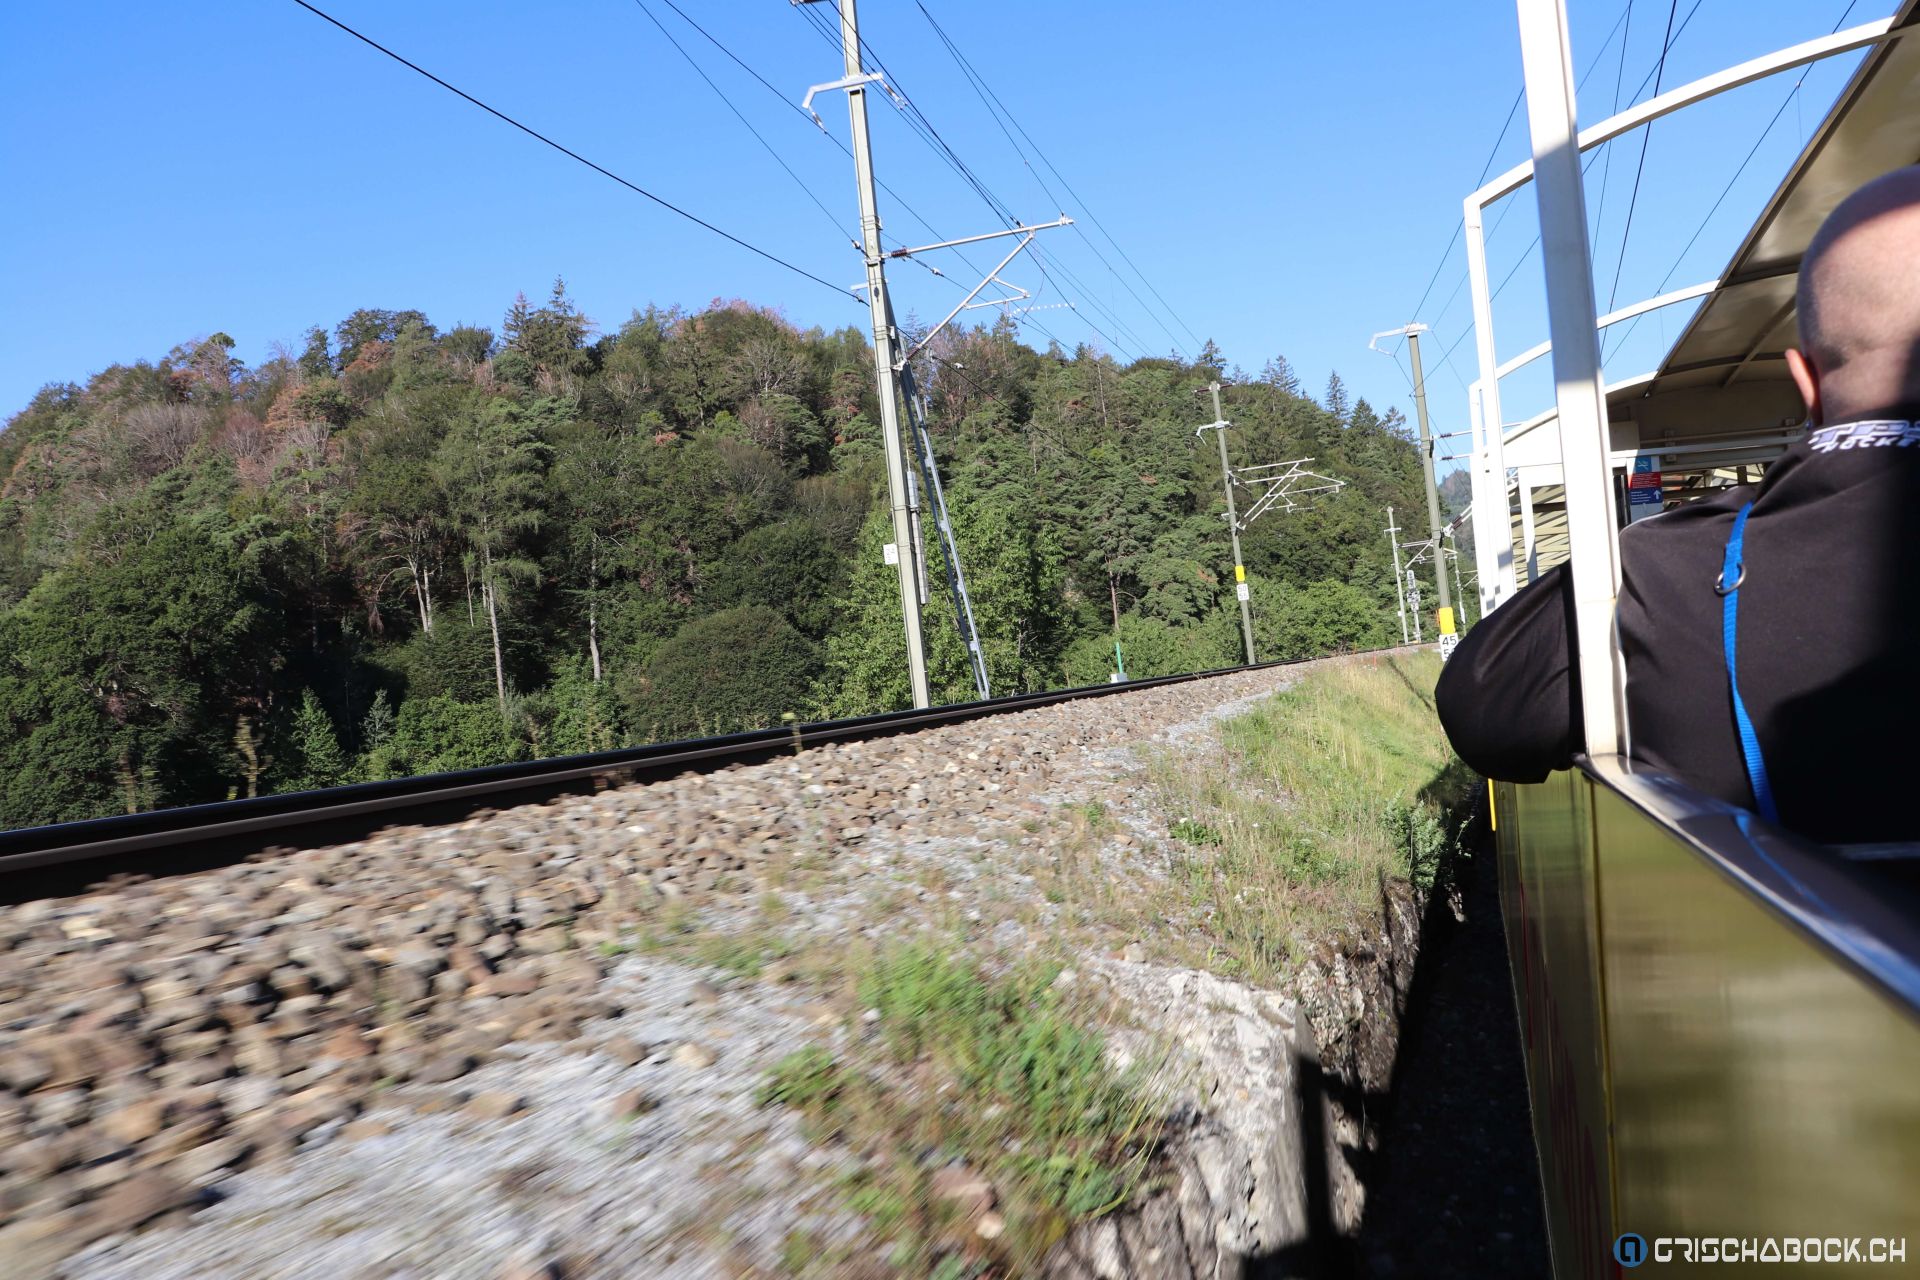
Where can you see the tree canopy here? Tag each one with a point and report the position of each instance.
(398, 548)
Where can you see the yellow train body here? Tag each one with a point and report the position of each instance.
(1720, 1028)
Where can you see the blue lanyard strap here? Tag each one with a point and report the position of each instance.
(1733, 571)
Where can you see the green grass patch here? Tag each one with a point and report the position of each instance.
(1315, 795)
(1191, 832)
(1094, 814)
(805, 1078)
(993, 1070)
(742, 955)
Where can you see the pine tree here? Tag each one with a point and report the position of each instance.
(1337, 402)
(318, 759)
(377, 729)
(1211, 362)
(1279, 375)
(316, 361)
(513, 329)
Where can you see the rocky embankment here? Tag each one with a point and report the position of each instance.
(529, 1044)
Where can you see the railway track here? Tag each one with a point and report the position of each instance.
(38, 860)
(213, 1017)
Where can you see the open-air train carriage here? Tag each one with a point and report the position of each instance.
(1721, 1020)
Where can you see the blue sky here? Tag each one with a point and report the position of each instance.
(1285, 175)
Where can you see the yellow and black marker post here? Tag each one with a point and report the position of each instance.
(1449, 638)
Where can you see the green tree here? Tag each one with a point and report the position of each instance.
(316, 359)
(440, 734)
(574, 714)
(864, 664)
(592, 484)
(313, 758)
(1291, 622)
(491, 468)
(117, 696)
(791, 566)
(1337, 402)
(554, 337)
(737, 669)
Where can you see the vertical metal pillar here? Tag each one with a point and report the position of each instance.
(1579, 390)
(1529, 530)
(1399, 584)
(1426, 463)
(899, 495)
(1459, 589)
(1489, 508)
(1240, 587)
(1496, 554)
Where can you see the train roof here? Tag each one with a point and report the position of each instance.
(1721, 404)
(1727, 370)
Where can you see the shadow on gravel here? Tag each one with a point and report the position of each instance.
(1456, 1192)
(1453, 1190)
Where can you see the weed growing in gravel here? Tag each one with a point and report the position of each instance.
(1186, 829)
(993, 1071)
(743, 956)
(1099, 822)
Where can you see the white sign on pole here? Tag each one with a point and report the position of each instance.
(891, 553)
(1240, 590)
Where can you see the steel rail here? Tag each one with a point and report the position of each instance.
(69, 843)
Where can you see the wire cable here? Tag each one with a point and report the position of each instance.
(1585, 166)
(931, 136)
(997, 108)
(741, 117)
(1494, 152)
(800, 111)
(1606, 170)
(1792, 96)
(1646, 136)
(574, 155)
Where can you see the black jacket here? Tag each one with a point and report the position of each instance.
(1829, 645)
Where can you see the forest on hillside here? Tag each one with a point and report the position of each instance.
(401, 549)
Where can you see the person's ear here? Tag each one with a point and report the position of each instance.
(1807, 378)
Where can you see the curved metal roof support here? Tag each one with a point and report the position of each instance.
(1687, 294)
(1860, 37)
(1579, 388)
(1495, 567)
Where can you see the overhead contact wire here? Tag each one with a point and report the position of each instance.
(571, 154)
(741, 117)
(996, 108)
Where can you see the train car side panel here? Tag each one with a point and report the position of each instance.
(1760, 1087)
(1546, 843)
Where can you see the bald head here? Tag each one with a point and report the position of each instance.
(1859, 300)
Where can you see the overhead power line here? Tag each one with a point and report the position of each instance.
(1586, 164)
(993, 101)
(796, 108)
(929, 134)
(741, 117)
(1792, 95)
(574, 155)
(1493, 153)
(1606, 169)
(1646, 136)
